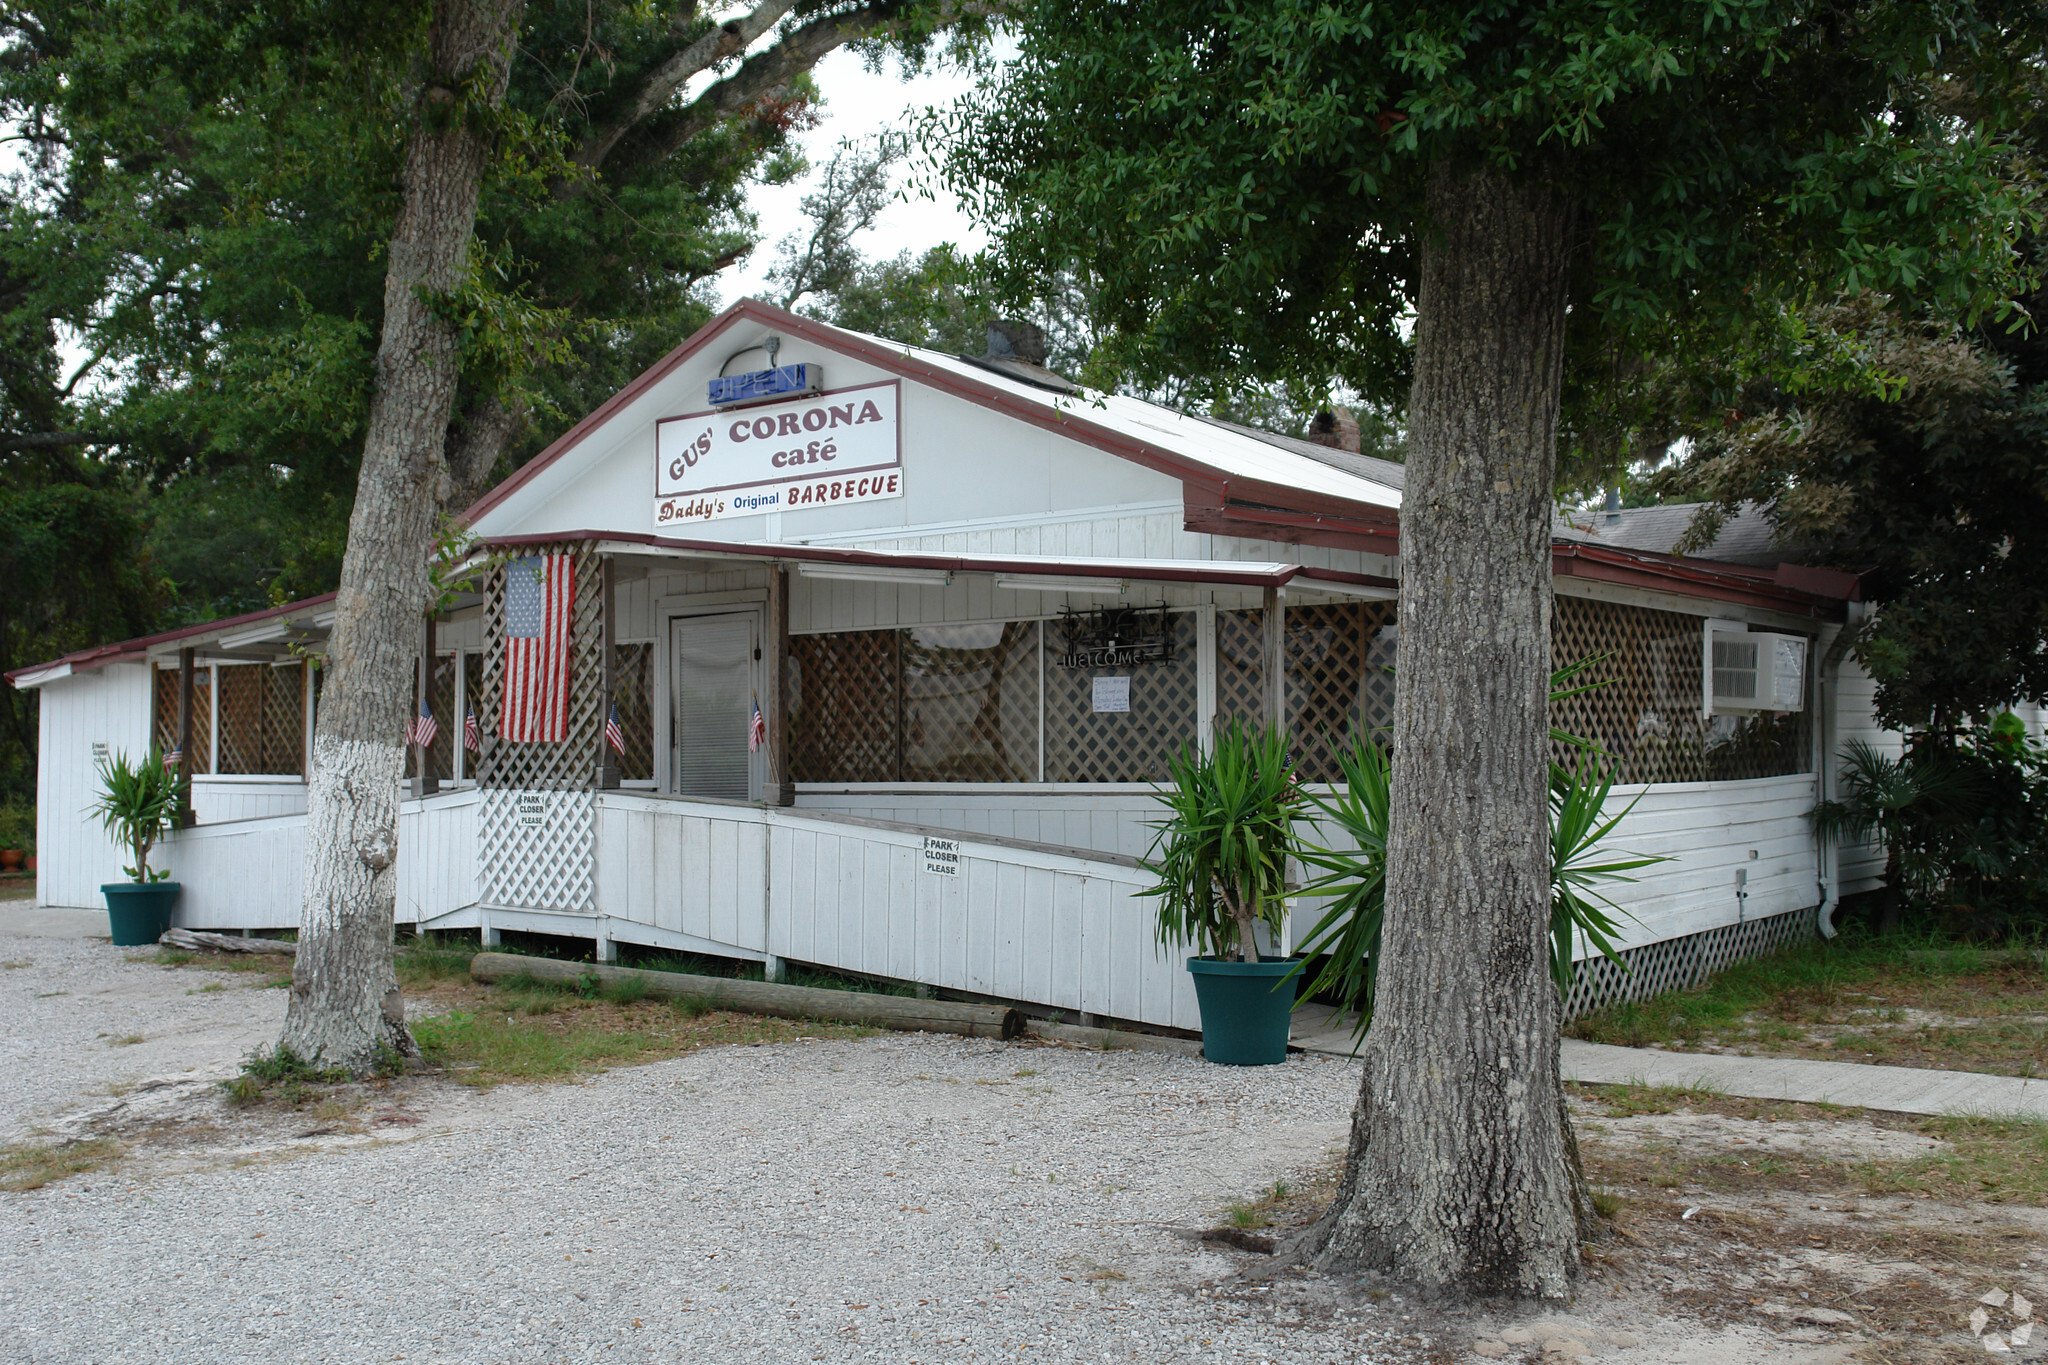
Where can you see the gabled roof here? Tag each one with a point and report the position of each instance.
(1745, 538)
(1222, 460)
(129, 651)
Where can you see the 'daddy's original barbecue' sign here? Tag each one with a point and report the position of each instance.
(814, 451)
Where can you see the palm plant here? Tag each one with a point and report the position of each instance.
(1220, 855)
(1348, 934)
(136, 804)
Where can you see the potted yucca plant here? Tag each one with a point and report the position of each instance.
(1220, 860)
(137, 804)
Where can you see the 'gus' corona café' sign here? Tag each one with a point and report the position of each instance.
(836, 447)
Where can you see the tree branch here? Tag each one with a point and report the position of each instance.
(761, 76)
(45, 440)
(727, 40)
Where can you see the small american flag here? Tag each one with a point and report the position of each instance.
(613, 734)
(539, 592)
(173, 759)
(423, 729)
(757, 729)
(472, 738)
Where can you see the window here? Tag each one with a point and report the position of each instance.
(263, 719)
(1647, 715)
(970, 702)
(1087, 744)
(633, 694)
(1340, 680)
(164, 734)
(447, 721)
(845, 707)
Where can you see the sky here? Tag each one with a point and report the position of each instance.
(859, 103)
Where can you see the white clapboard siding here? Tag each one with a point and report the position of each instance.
(437, 840)
(1711, 831)
(218, 800)
(1015, 923)
(693, 868)
(1109, 819)
(1708, 830)
(249, 874)
(1860, 867)
(241, 874)
(74, 856)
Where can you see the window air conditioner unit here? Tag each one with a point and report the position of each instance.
(1751, 670)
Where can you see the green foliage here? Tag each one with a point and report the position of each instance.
(137, 804)
(1933, 484)
(18, 825)
(1347, 935)
(1220, 855)
(1246, 183)
(1963, 818)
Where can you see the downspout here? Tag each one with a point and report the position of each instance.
(1827, 684)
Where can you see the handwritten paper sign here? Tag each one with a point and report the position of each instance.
(1113, 694)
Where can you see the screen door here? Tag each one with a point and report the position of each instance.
(711, 676)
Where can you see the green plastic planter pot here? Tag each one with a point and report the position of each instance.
(1244, 1016)
(139, 912)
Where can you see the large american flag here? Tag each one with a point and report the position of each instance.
(539, 592)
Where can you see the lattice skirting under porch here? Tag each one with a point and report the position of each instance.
(537, 850)
(1677, 963)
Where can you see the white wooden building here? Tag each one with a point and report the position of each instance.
(898, 559)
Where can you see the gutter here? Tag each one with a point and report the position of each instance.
(1828, 856)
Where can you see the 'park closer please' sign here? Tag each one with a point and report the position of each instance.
(816, 451)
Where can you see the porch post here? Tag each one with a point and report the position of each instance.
(187, 659)
(607, 777)
(779, 790)
(1274, 656)
(424, 783)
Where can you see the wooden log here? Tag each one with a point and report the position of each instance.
(901, 1012)
(197, 941)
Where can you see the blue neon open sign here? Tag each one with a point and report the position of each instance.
(759, 384)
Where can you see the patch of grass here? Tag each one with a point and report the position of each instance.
(168, 957)
(125, 1040)
(210, 988)
(15, 966)
(1608, 1204)
(425, 961)
(1829, 999)
(488, 1044)
(2000, 1159)
(624, 991)
(283, 1075)
(30, 1165)
(1240, 1214)
(1626, 1101)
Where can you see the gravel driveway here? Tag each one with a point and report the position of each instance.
(906, 1198)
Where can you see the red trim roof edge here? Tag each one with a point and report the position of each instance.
(1075, 424)
(826, 554)
(99, 656)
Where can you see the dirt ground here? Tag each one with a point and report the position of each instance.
(1740, 1231)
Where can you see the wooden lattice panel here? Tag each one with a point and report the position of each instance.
(1083, 745)
(1647, 715)
(633, 691)
(970, 703)
(447, 722)
(1678, 963)
(537, 850)
(1240, 666)
(1339, 680)
(262, 720)
(572, 764)
(164, 733)
(845, 707)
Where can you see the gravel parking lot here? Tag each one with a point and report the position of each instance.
(901, 1198)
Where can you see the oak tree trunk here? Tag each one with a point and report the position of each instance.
(345, 1007)
(1462, 1175)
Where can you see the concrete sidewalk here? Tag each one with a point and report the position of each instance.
(24, 920)
(1903, 1090)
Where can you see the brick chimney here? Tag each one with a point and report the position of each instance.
(1335, 427)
